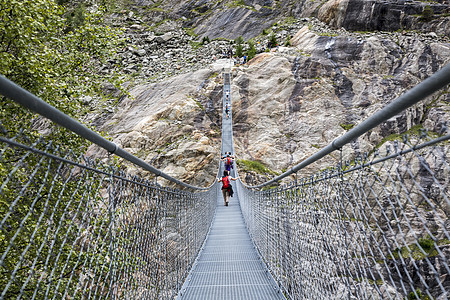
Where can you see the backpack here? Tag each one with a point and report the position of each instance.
(228, 161)
(225, 182)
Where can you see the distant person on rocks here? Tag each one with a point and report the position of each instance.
(227, 189)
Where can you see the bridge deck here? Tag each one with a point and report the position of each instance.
(229, 267)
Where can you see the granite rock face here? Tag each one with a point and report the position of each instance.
(293, 101)
(369, 15)
(172, 125)
(231, 19)
(248, 18)
(287, 104)
(286, 107)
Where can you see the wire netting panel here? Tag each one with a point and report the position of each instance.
(73, 228)
(373, 228)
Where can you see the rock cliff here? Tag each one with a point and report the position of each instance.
(247, 18)
(294, 104)
(287, 103)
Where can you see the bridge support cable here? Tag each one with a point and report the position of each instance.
(430, 85)
(37, 105)
(375, 227)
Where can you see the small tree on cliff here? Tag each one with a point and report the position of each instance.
(239, 50)
(273, 41)
(427, 14)
(239, 42)
(251, 52)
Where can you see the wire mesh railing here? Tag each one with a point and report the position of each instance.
(75, 228)
(72, 227)
(375, 228)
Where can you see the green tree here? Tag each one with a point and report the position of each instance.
(251, 52)
(273, 41)
(205, 40)
(427, 13)
(52, 53)
(239, 40)
(239, 52)
(239, 49)
(55, 55)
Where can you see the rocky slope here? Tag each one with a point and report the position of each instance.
(297, 102)
(173, 125)
(232, 18)
(163, 37)
(287, 103)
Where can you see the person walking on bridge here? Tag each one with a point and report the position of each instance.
(228, 161)
(227, 111)
(227, 189)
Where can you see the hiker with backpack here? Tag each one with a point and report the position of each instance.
(227, 189)
(227, 111)
(228, 160)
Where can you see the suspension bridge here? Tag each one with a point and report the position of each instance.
(375, 227)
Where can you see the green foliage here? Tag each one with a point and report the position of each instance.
(287, 43)
(413, 296)
(265, 32)
(195, 45)
(347, 126)
(427, 244)
(205, 40)
(427, 14)
(239, 52)
(45, 213)
(75, 18)
(251, 51)
(273, 41)
(253, 165)
(52, 53)
(425, 247)
(289, 20)
(190, 31)
(239, 3)
(416, 130)
(239, 40)
(199, 104)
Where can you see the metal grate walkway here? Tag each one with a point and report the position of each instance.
(228, 266)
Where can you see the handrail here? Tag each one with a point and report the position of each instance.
(430, 85)
(16, 93)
